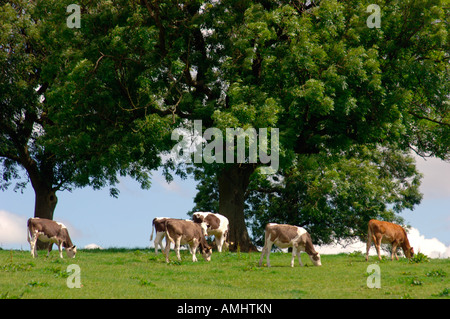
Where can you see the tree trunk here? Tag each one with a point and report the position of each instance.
(45, 198)
(41, 180)
(233, 182)
(45, 203)
(44, 206)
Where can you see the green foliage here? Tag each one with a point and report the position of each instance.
(343, 192)
(415, 282)
(419, 258)
(334, 84)
(350, 102)
(34, 284)
(13, 267)
(436, 273)
(356, 253)
(444, 293)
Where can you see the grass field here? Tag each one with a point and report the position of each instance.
(138, 273)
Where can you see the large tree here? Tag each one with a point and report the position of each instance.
(312, 69)
(329, 82)
(36, 136)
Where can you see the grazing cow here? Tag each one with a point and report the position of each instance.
(216, 225)
(285, 236)
(181, 232)
(159, 224)
(47, 230)
(388, 233)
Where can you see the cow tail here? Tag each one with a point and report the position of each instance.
(153, 228)
(28, 232)
(369, 233)
(168, 238)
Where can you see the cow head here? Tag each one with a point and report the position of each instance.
(207, 254)
(197, 218)
(315, 258)
(204, 228)
(200, 220)
(71, 251)
(206, 251)
(409, 252)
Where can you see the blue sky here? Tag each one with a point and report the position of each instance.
(95, 217)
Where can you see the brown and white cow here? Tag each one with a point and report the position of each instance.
(216, 225)
(181, 232)
(159, 224)
(285, 236)
(388, 233)
(47, 230)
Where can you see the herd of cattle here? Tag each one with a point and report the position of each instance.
(193, 232)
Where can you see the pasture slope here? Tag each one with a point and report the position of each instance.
(138, 273)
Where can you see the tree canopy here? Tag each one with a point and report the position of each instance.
(38, 127)
(334, 88)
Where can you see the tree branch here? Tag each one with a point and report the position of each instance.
(428, 119)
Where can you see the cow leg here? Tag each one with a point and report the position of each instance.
(158, 241)
(265, 251)
(378, 246)
(294, 252)
(167, 249)
(394, 251)
(177, 248)
(262, 255)
(50, 245)
(193, 250)
(219, 242)
(33, 247)
(268, 250)
(298, 256)
(60, 249)
(194, 257)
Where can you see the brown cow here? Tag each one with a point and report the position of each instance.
(47, 230)
(285, 236)
(159, 225)
(388, 233)
(181, 232)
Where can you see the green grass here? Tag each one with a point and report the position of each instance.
(138, 273)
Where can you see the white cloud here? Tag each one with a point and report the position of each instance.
(170, 187)
(433, 247)
(13, 228)
(436, 177)
(174, 187)
(346, 246)
(93, 246)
